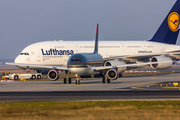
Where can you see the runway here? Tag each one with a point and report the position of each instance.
(125, 88)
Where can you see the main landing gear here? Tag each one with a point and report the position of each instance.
(67, 78)
(105, 78)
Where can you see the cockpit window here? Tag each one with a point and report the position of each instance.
(76, 60)
(24, 53)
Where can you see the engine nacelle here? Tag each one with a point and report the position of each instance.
(53, 75)
(43, 72)
(112, 74)
(161, 65)
(115, 63)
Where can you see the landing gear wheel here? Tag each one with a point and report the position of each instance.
(120, 75)
(77, 81)
(103, 79)
(108, 80)
(65, 81)
(69, 80)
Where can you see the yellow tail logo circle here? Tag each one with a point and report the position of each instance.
(173, 21)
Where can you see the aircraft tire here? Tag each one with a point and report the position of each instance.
(120, 75)
(103, 79)
(108, 80)
(69, 80)
(65, 81)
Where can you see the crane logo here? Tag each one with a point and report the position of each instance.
(173, 21)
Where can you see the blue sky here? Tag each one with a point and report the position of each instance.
(23, 22)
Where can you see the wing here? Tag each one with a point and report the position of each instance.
(128, 65)
(29, 66)
(174, 53)
(134, 58)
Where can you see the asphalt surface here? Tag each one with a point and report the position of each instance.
(89, 96)
(125, 88)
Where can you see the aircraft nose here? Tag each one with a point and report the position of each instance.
(18, 59)
(76, 70)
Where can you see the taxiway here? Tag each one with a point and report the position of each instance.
(89, 84)
(125, 88)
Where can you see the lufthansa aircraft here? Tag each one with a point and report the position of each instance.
(114, 56)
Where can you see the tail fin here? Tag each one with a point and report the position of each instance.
(168, 31)
(96, 40)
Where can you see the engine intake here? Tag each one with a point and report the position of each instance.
(161, 65)
(112, 74)
(53, 75)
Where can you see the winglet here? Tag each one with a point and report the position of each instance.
(96, 40)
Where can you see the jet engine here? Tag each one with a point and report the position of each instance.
(53, 75)
(112, 74)
(43, 72)
(115, 63)
(161, 65)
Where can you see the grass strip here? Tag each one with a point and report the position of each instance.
(100, 110)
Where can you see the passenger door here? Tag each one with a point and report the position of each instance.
(38, 57)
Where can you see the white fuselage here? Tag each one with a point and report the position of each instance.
(58, 52)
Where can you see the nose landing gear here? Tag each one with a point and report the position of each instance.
(77, 79)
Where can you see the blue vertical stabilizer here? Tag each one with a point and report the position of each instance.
(168, 31)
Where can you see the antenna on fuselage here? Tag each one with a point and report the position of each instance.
(96, 40)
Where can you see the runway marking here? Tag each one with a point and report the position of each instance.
(68, 85)
(86, 84)
(138, 87)
(49, 87)
(31, 89)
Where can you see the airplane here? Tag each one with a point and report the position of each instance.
(88, 64)
(117, 56)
